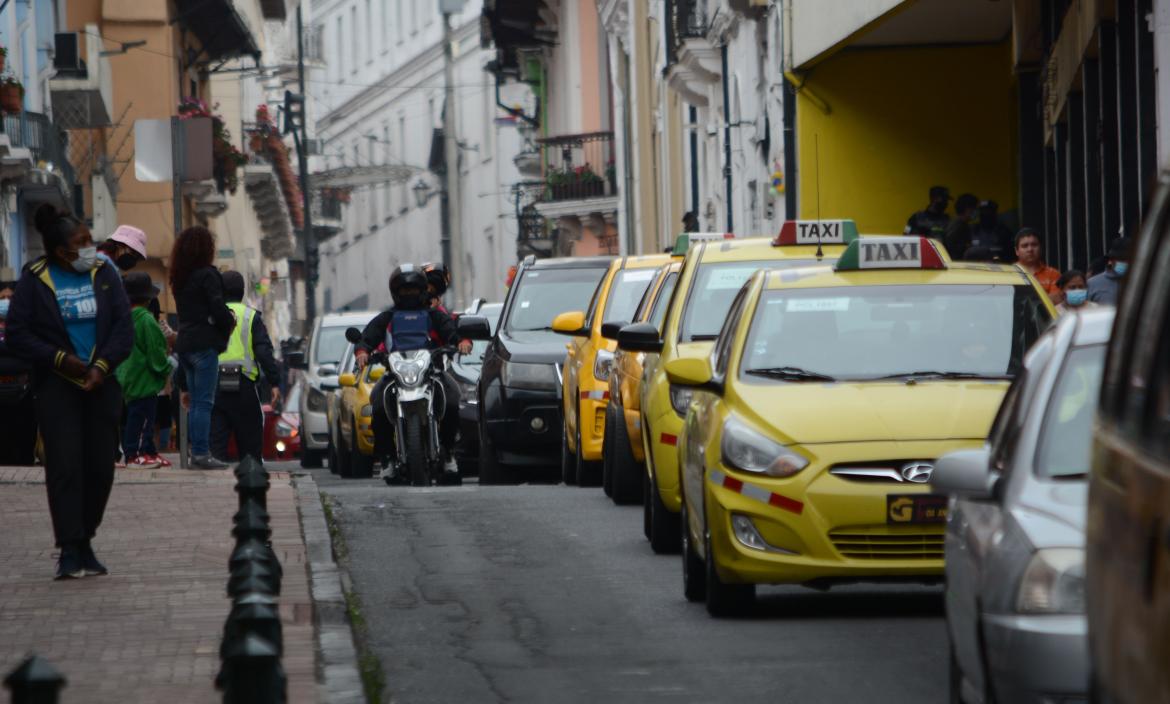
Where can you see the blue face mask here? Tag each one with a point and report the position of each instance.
(1076, 297)
(1120, 268)
(4, 308)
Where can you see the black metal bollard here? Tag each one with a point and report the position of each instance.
(254, 486)
(251, 673)
(253, 550)
(260, 619)
(253, 577)
(253, 508)
(251, 527)
(247, 465)
(35, 681)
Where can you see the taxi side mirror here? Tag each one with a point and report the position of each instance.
(966, 474)
(610, 329)
(473, 327)
(691, 371)
(347, 379)
(639, 337)
(376, 373)
(571, 323)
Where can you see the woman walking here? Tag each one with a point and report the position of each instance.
(70, 319)
(204, 326)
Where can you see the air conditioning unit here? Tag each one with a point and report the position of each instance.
(67, 53)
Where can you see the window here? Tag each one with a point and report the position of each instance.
(413, 15)
(402, 188)
(398, 23)
(625, 292)
(386, 23)
(489, 126)
(370, 196)
(722, 352)
(340, 51)
(658, 313)
(714, 288)
(355, 54)
(369, 33)
(1067, 435)
(542, 294)
(388, 194)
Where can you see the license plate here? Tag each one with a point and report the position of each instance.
(915, 508)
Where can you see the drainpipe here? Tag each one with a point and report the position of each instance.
(727, 138)
(693, 120)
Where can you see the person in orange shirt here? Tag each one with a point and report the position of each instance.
(1029, 256)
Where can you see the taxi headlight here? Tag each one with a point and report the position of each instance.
(680, 399)
(749, 451)
(1053, 583)
(602, 365)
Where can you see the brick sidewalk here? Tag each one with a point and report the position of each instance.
(150, 631)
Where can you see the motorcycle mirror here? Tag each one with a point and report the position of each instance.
(353, 335)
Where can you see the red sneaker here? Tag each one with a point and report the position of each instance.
(144, 462)
(162, 461)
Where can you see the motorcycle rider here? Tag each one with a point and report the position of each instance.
(402, 328)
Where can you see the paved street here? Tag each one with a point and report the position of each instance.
(543, 593)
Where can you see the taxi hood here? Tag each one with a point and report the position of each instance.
(812, 413)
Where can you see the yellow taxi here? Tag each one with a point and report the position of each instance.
(715, 268)
(622, 456)
(820, 410)
(355, 451)
(585, 381)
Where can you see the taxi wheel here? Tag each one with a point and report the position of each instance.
(663, 524)
(343, 458)
(607, 453)
(625, 472)
(360, 466)
(490, 469)
(568, 461)
(723, 599)
(588, 471)
(645, 506)
(331, 456)
(694, 571)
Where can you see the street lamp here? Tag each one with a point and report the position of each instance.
(423, 193)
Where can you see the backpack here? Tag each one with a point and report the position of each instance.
(408, 330)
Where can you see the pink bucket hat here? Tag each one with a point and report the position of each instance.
(132, 237)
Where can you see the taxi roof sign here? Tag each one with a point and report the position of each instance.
(795, 232)
(685, 239)
(890, 253)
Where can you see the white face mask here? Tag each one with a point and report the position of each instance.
(86, 259)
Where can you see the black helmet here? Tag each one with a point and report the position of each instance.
(408, 276)
(438, 275)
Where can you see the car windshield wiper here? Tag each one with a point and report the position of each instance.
(546, 328)
(704, 337)
(934, 374)
(789, 374)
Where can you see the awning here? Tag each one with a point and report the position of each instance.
(220, 28)
(357, 176)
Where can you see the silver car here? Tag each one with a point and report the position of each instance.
(326, 348)
(1016, 528)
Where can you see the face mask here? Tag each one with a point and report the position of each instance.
(1120, 268)
(4, 303)
(126, 262)
(86, 259)
(1076, 297)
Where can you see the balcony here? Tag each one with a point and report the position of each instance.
(264, 181)
(579, 176)
(82, 96)
(327, 212)
(692, 63)
(32, 151)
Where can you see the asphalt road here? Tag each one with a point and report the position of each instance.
(550, 593)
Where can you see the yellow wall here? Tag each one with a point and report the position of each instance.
(902, 120)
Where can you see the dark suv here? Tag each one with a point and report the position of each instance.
(520, 385)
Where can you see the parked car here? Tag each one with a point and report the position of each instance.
(584, 388)
(333, 410)
(465, 368)
(353, 432)
(519, 387)
(1127, 558)
(282, 427)
(326, 346)
(1015, 538)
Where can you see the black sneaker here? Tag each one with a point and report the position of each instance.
(90, 562)
(69, 564)
(207, 462)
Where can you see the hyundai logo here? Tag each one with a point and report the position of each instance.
(917, 472)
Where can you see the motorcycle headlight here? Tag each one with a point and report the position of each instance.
(602, 365)
(410, 368)
(518, 375)
(680, 398)
(1053, 583)
(316, 400)
(749, 451)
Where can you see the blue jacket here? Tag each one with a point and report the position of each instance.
(36, 331)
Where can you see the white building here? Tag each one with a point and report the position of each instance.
(377, 104)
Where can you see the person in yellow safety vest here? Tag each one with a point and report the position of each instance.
(237, 399)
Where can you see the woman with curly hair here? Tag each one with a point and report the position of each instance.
(204, 326)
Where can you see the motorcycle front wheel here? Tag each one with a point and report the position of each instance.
(414, 425)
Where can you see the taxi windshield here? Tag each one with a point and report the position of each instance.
(626, 292)
(713, 290)
(940, 331)
(542, 294)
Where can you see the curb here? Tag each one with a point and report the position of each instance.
(339, 680)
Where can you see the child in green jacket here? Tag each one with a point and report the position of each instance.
(142, 375)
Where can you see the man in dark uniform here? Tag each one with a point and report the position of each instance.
(933, 221)
(237, 399)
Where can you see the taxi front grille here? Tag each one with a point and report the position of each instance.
(887, 544)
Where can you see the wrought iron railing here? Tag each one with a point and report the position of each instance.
(578, 166)
(46, 141)
(685, 19)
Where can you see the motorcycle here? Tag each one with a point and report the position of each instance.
(414, 400)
